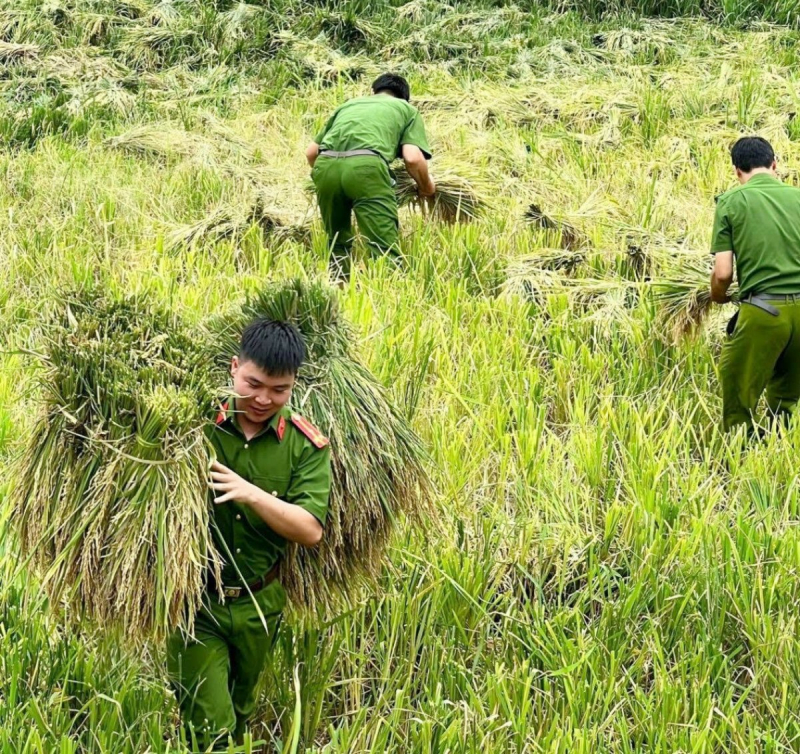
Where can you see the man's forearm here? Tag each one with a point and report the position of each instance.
(719, 289)
(419, 172)
(289, 521)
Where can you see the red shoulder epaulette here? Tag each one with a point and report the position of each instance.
(223, 413)
(310, 431)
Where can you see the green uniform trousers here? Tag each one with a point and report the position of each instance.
(216, 673)
(762, 354)
(360, 185)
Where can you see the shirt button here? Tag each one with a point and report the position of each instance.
(246, 445)
(238, 550)
(238, 516)
(274, 492)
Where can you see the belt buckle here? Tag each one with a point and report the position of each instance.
(232, 591)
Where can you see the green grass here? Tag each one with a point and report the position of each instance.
(609, 572)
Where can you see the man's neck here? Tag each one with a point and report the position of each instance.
(757, 171)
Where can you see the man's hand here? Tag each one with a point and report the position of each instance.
(231, 485)
(290, 521)
(722, 277)
(430, 189)
(312, 152)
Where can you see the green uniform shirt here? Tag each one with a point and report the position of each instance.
(759, 222)
(280, 460)
(381, 122)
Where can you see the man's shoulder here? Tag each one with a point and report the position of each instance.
(394, 103)
(787, 189)
(380, 104)
(726, 196)
(354, 102)
(740, 193)
(303, 429)
(407, 107)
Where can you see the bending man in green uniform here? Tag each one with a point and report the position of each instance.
(272, 482)
(350, 160)
(758, 225)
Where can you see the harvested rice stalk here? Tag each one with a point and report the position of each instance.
(378, 462)
(684, 297)
(457, 199)
(232, 221)
(165, 141)
(11, 52)
(110, 498)
(571, 237)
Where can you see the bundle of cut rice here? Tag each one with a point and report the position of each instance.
(378, 462)
(457, 199)
(110, 496)
(111, 500)
(232, 221)
(684, 296)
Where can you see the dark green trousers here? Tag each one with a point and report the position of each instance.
(762, 354)
(360, 186)
(215, 675)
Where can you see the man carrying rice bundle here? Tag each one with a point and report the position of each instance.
(350, 168)
(271, 482)
(758, 224)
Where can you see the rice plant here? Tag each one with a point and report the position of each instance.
(684, 295)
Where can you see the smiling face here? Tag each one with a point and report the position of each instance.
(260, 395)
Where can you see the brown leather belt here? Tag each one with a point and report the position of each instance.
(233, 592)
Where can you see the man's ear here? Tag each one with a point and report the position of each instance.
(774, 167)
(234, 366)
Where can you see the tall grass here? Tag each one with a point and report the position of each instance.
(728, 11)
(611, 572)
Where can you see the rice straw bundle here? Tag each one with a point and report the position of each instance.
(230, 221)
(378, 462)
(111, 502)
(456, 200)
(165, 141)
(110, 497)
(684, 296)
(11, 52)
(570, 237)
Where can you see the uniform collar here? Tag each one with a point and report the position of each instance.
(277, 424)
(761, 178)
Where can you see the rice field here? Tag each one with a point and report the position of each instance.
(605, 570)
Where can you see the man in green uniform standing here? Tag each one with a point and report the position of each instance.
(272, 482)
(758, 224)
(350, 160)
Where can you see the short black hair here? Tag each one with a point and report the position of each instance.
(276, 347)
(392, 82)
(752, 152)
